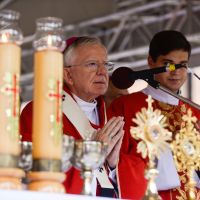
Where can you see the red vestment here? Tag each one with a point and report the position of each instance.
(73, 183)
(131, 181)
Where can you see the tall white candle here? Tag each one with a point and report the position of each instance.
(10, 60)
(47, 118)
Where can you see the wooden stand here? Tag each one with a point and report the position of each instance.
(10, 178)
(46, 181)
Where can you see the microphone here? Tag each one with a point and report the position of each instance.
(124, 77)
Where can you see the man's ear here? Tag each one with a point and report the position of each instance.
(67, 75)
(150, 61)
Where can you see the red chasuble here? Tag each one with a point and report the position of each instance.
(131, 167)
(73, 183)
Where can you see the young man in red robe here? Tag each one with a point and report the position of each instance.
(85, 81)
(165, 47)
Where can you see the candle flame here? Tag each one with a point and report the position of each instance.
(49, 40)
(4, 37)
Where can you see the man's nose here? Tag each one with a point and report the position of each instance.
(102, 68)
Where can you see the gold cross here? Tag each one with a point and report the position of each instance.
(189, 118)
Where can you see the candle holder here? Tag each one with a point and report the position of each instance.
(67, 152)
(186, 150)
(10, 60)
(88, 156)
(26, 158)
(49, 42)
(150, 129)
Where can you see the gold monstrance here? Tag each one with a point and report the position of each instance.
(186, 150)
(150, 129)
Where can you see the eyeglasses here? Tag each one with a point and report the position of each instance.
(94, 65)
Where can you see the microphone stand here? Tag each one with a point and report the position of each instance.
(156, 85)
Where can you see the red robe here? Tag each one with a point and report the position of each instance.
(73, 183)
(131, 181)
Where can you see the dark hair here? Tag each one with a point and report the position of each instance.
(164, 42)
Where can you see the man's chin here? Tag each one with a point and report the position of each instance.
(173, 89)
(100, 92)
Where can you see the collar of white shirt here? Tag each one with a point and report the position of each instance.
(89, 108)
(161, 95)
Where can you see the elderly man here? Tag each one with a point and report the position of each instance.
(85, 81)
